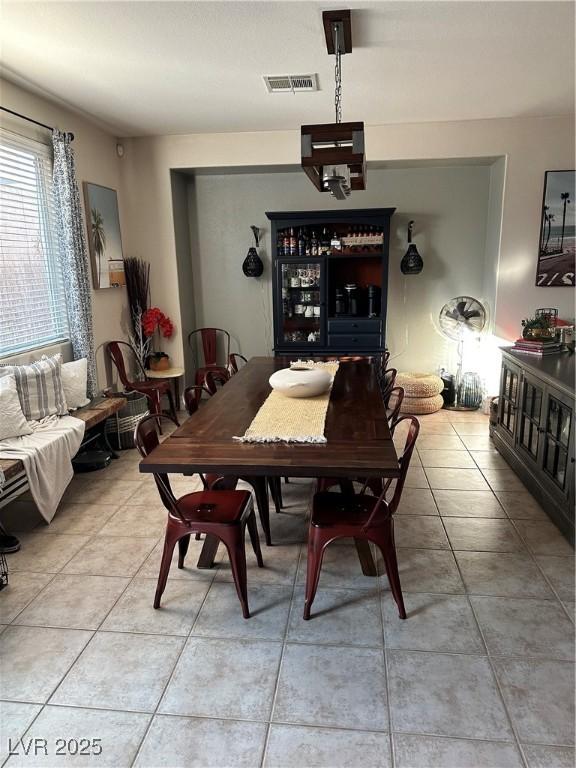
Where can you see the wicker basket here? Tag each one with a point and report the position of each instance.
(120, 428)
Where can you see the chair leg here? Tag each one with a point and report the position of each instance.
(254, 538)
(172, 406)
(155, 407)
(234, 542)
(261, 493)
(385, 542)
(274, 493)
(169, 543)
(316, 546)
(183, 545)
(278, 485)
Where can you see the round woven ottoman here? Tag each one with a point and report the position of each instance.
(419, 385)
(421, 405)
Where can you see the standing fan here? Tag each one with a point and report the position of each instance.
(461, 317)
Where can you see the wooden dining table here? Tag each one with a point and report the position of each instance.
(358, 440)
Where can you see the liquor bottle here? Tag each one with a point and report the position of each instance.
(307, 245)
(286, 243)
(280, 244)
(324, 242)
(301, 243)
(293, 247)
(336, 243)
(314, 245)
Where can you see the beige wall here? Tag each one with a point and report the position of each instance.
(530, 146)
(96, 161)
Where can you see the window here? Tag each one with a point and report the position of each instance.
(32, 303)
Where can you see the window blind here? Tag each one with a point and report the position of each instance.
(32, 302)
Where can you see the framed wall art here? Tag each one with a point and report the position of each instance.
(104, 239)
(557, 246)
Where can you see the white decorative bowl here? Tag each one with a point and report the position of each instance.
(301, 382)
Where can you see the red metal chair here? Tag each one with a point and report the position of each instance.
(223, 513)
(387, 380)
(152, 388)
(361, 516)
(395, 400)
(233, 362)
(206, 339)
(211, 381)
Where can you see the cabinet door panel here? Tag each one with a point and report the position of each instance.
(557, 428)
(530, 415)
(508, 401)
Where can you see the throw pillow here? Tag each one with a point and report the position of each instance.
(12, 421)
(75, 382)
(39, 388)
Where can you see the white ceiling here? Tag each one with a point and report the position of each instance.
(187, 67)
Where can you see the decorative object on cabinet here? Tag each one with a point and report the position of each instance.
(460, 319)
(253, 265)
(104, 239)
(535, 429)
(333, 153)
(557, 247)
(336, 263)
(411, 263)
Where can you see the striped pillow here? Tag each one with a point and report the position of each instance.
(39, 387)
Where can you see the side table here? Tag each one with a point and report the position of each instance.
(174, 375)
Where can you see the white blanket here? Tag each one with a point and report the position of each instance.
(47, 457)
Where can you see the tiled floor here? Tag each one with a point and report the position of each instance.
(479, 676)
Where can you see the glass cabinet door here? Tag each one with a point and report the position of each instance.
(302, 308)
(557, 428)
(509, 388)
(530, 414)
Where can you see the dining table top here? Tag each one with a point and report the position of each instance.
(358, 439)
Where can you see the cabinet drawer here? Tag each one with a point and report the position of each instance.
(354, 325)
(352, 341)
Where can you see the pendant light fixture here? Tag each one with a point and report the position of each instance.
(333, 153)
(411, 263)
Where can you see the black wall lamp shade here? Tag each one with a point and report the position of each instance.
(411, 263)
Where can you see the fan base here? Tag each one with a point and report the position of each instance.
(460, 408)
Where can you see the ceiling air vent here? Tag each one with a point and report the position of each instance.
(291, 83)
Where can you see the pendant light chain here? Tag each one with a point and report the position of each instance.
(337, 77)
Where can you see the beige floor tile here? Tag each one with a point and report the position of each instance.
(236, 679)
(416, 478)
(45, 553)
(570, 608)
(118, 736)
(417, 501)
(151, 566)
(504, 480)
(445, 695)
(456, 479)
(198, 743)
(103, 491)
(347, 616)
(340, 568)
(22, 589)
(560, 572)
(471, 427)
(436, 428)
(280, 564)
(221, 614)
(468, 504)
(74, 602)
(357, 674)
(138, 521)
(489, 460)
(543, 538)
(549, 757)
(427, 570)
(35, 659)
(446, 459)
(439, 443)
(477, 442)
(539, 695)
(15, 718)
(483, 535)
(515, 627)
(82, 519)
(434, 751)
(120, 470)
(521, 505)
(292, 746)
(443, 623)
(287, 529)
(120, 671)
(111, 556)
(134, 612)
(457, 417)
(502, 575)
(420, 532)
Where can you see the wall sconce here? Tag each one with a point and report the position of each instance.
(253, 265)
(411, 263)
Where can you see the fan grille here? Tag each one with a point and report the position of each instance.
(460, 315)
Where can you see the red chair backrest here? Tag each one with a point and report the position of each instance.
(209, 341)
(114, 349)
(396, 397)
(211, 379)
(387, 384)
(234, 357)
(146, 439)
(192, 397)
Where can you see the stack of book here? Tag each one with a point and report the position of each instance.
(540, 347)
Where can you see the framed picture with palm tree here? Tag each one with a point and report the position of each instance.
(104, 238)
(557, 246)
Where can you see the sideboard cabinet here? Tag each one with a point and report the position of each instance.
(534, 430)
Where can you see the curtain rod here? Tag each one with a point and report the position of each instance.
(31, 120)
